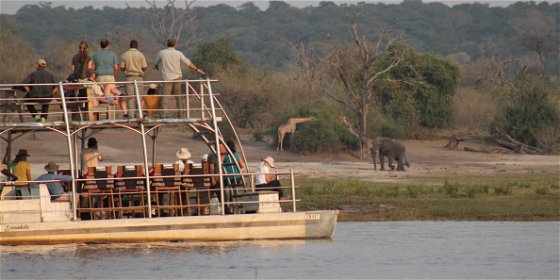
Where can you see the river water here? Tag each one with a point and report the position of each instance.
(413, 250)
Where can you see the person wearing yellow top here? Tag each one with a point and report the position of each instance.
(151, 102)
(22, 170)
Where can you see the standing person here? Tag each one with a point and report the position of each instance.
(55, 188)
(90, 155)
(22, 170)
(106, 64)
(40, 94)
(170, 60)
(133, 63)
(81, 61)
(230, 166)
(265, 180)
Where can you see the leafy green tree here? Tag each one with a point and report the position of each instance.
(217, 54)
(530, 110)
(420, 89)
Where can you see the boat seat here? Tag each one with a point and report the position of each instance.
(130, 192)
(170, 186)
(201, 184)
(99, 192)
(186, 189)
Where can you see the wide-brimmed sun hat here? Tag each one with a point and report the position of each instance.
(52, 166)
(270, 161)
(23, 152)
(183, 153)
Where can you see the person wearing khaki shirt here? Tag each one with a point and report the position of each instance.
(133, 63)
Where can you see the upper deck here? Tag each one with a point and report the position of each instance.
(75, 106)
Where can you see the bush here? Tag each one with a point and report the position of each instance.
(316, 136)
(325, 134)
(412, 191)
(474, 110)
(259, 136)
(530, 111)
(542, 190)
(393, 129)
(452, 190)
(391, 191)
(502, 190)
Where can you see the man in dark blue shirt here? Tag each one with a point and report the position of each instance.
(40, 94)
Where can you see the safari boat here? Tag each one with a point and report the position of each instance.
(148, 200)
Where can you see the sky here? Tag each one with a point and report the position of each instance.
(11, 6)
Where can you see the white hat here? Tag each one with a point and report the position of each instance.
(183, 153)
(51, 167)
(42, 61)
(205, 157)
(270, 161)
(152, 86)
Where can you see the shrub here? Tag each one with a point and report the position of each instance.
(391, 191)
(542, 190)
(530, 111)
(259, 136)
(452, 190)
(412, 191)
(502, 190)
(325, 134)
(393, 129)
(473, 109)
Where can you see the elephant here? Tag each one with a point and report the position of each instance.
(392, 149)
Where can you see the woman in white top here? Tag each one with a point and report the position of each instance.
(264, 179)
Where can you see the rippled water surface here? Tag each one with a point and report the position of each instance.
(359, 250)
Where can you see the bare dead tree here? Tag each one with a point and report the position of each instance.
(168, 21)
(500, 78)
(305, 59)
(359, 76)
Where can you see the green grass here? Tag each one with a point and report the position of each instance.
(512, 198)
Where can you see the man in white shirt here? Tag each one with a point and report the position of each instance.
(90, 155)
(170, 60)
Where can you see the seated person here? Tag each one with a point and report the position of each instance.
(108, 94)
(265, 180)
(55, 188)
(151, 102)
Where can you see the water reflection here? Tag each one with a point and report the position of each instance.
(359, 250)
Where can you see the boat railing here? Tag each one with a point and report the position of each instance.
(113, 204)
(82, 104)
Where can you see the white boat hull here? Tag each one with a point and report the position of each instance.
(300, 225)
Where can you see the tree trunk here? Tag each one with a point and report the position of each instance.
(454, 141)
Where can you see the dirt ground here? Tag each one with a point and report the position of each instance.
(427, 158)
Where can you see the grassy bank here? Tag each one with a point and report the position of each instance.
(502, 198)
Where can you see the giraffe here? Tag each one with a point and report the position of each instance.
(289, 127)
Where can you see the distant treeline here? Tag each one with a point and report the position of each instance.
(260, 36)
